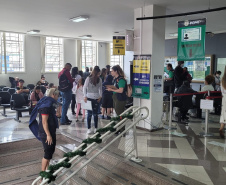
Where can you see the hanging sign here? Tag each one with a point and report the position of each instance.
(141, 76)
(191, 40)
(118, 45)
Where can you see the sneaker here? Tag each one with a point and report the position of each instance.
(68, 120)
(76, 120)
(66, 123)
(80, 113)
(89, 131)
(95, 130)
(102, 117)
(108, 117)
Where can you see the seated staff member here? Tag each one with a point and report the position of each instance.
(24, 91)
(209, 79)
(119, 94)
(45, 130)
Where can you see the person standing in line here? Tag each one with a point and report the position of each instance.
(223, 108)
(103, 74)
(45, 130)
(108, 71)
(107, 101)
(119, 94)
(92, 90)
(86, 74)
(179, 75)
(217, 81)
(79, 98)
(65, 87)
(77, 77)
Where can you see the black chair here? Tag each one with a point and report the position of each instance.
(5, 101)
(18, 103)
(43, 89)
(1, 87)
(31, 86)
(5, 89)
(12, 91)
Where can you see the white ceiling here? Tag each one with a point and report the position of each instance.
(106, 16)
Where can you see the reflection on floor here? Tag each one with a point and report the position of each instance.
(186, 153)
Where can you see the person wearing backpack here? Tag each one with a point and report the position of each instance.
(65, 87)
(120, 93)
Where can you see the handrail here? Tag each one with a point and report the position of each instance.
(81, 145)
(106, 146)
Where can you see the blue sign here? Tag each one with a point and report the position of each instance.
(141, 79)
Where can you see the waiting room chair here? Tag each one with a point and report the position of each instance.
(5, 101)
(12, 91)
(1, 87)
(31, 86)
(18, 103)
(5, 88)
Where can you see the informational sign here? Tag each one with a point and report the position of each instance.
(118, 45)
(206, 104)
(158, 83)
(141, 76)
(191, 40)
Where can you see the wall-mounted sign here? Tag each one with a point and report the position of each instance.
(191, 40)
(118, 45)
(141, 76)
(157, 83)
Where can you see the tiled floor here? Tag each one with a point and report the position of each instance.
(202, 159)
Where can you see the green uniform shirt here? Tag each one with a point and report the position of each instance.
(121, 84)
(170, 74)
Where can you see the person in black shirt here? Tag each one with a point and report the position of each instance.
(179, 74)
(47, 125)
(24, 91)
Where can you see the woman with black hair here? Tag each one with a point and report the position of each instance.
(92, 90)
(76, 76)
(36, 95)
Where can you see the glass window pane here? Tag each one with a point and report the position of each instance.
(53, 54)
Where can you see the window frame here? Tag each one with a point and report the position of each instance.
(93, 56)
(61, 54)
(21, 52)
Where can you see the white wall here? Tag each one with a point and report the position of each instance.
(126, 68)
(102, 55)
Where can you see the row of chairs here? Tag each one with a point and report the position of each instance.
(15, 101)
(13, 90)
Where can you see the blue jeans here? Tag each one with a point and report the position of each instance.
(93, 112)
(66, 97)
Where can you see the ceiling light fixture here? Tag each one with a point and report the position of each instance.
(85, 36)
(33, 32)
(79, 18)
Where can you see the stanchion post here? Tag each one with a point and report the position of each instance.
(135, 158)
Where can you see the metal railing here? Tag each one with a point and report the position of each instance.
(136, 112)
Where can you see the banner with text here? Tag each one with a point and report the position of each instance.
(141, 76)
(191, 40)
(118, 45)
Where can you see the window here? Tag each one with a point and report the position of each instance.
(53, 54)
(116, 59)
(12, 46)
(88, 54)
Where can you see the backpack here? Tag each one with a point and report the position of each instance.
(64, 84)
(129, 90)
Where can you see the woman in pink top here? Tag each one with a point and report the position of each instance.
(36, 95)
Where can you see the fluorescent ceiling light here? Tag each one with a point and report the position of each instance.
(79, 18)
(85, 36)
(173, 34)
(33, 32)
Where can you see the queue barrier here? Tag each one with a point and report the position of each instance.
(206, 133)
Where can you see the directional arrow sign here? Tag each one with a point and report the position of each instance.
(136, 79)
